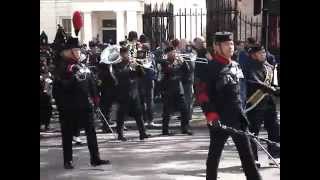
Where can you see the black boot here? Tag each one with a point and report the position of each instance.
(186, 131)
(99, 162)
(121, 138)
(144, 135)
(165, 127)
(68, 165)
(185, 126)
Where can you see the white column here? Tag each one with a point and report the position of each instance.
(132, 21)
(120, 26)
(87, 27)
(140, 23)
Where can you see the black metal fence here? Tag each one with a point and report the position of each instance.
(161, 23)
(248, 26)
(158, 23)
(190, 23)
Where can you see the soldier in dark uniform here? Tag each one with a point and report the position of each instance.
(74, 91)
(146, 84)
(128, 96)
(173, 95)
(218, 92)
(107, 86)
(261, 107)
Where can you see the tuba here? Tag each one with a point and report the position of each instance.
(111, 55)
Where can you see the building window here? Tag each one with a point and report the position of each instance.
(66, 23)
(109, 23)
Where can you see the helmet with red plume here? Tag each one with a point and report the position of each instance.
(77, 22)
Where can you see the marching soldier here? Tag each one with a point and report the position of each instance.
(261, 107)
(128, 97)
(147, 82)
(107, 84)
(74, 92)
(173, 95)
(218, 92)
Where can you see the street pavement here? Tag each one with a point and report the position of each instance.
(178, 157)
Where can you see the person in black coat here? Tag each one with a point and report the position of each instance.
(218, 92)
(107, 86)
(75, 93)
(174, 68)
(146, 85)
(128, 98)
(261, 106)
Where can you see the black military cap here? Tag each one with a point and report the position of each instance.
(168, 49)
(91, 44)
(255, 48)
(72, 43)
(223, 36)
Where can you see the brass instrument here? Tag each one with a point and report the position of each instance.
(259, 95)
(146, 63)
(193, 58)
(47, 83)
(82, 73)
(111, 55)
(189, 57)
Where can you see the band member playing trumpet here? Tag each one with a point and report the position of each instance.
(127, 72)
(261, 107)
(173, 95)
(146, 84)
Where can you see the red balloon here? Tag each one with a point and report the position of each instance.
(77, 22)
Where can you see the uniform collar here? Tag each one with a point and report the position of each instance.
(72, 61)
(221, 59)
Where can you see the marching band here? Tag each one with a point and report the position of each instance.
(84, 82)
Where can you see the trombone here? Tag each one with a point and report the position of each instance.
(193, 58)
(141, 62)
(190, 57)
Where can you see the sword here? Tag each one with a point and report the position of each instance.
(104, 118)
(254, 138)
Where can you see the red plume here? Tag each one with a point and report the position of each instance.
(77, 22)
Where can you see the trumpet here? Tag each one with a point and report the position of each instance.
(188, 57)
(144, 63)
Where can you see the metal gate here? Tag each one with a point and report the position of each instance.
(158, 23)
(161, 23)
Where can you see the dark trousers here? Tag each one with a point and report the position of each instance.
(170, 101)
(146, 97)
(76, 127)
(218, 138)
(130, 106)
(45, 110)
(188, 95)
(107, 100)
(157, 90)
(265, 113)
(68, 117)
